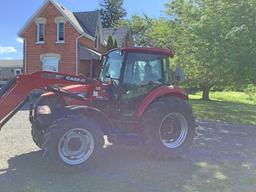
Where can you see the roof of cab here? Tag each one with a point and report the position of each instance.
(163, 51)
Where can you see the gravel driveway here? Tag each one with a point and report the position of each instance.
(223, 158)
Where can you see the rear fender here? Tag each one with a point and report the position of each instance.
(160, 92)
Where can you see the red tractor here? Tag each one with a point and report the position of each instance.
(132, 103)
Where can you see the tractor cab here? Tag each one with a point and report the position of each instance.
(135, 67)
(133, 73)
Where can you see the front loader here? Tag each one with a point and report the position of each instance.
(132, 103)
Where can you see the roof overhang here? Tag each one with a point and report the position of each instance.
(86, 53)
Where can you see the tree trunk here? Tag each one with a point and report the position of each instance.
(206, 91)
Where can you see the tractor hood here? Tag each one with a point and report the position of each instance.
(90, 91)
(86, 89)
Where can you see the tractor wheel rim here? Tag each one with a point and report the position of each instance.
(76, 146)
(173, 130)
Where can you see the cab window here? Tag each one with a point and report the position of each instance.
(112, 66)
(142, 69)
(143, 72)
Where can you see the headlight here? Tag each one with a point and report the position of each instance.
(44, 110)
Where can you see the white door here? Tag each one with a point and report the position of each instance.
(50, 64)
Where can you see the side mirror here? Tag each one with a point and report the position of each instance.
(179, 74)
(102, 58)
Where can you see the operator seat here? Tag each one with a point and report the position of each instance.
(149, 76)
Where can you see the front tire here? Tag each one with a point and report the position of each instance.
(37, 135)
(37, 131)
(169, 127)
(72, 144)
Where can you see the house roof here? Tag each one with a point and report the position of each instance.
(107, 32)
(11, 63)
(118, 34)
(70, 16)
(88, 21)
(85, 53)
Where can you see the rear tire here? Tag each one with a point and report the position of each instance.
(169, 127)
(73, 144)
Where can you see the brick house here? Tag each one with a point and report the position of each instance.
(56, 39)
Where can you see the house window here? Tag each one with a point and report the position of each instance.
(50, 64)
(40, 32)
(60, 31)
(60, 26)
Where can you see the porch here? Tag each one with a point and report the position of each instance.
(89, 62)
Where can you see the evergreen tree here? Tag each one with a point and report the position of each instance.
(110, 43)
(111, 12)
(115, 44)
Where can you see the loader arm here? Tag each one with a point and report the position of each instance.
(15, 93)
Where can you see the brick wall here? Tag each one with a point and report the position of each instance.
(67, 50)
(84, 65)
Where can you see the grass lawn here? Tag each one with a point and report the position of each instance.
(231, 107)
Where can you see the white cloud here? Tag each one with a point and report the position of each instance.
(8, 58)
(7, 50)
(20, 40)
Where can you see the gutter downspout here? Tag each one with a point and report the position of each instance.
(91, 67)
(77, 38)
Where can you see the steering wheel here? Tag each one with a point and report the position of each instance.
(115, 82)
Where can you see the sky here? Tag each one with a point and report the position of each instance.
(15, 13)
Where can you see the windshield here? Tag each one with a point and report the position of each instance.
(112, 65)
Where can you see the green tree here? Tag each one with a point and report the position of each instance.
(111, 12)
(115, 44)
(110, 43)
(140, 27)
(162, 33)
(215, 41)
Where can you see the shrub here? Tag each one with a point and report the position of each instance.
(251, 92)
